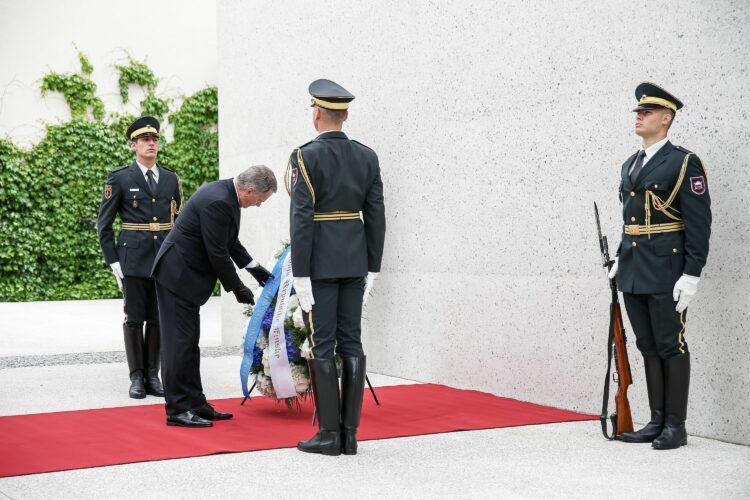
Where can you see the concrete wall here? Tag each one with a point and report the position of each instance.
(177, 38)
(498, 124)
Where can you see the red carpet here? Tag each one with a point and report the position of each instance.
(68, 440)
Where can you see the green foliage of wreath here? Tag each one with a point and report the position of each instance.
(49, 248)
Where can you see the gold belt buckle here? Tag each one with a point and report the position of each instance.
(634, 230)
(154, 227)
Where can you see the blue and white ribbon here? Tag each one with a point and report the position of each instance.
(256, 320)
(281, 371)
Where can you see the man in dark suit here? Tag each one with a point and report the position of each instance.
(336, 255)
(667, 217)
(200, 249)
(147, 196)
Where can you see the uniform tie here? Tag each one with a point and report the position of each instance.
(151, 182)
(638, 166)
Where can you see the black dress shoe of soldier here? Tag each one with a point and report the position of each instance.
(188, 419)
(209, 413)
(137, 389)
(672, 437)
(325, 442)
(651, 431)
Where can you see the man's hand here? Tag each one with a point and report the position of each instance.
(117, 271)
(684, 290)
(303, 287)
(613, 270)
(369, 280)
(244, 295)
(259, 272)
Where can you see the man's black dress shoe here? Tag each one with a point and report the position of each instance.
(188, 419)
(154, 387)
(209, 413)
(137, 389)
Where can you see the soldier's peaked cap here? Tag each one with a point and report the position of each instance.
(146, 125)
(329, 95)
(651, 96)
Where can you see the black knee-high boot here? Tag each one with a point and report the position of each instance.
(655, 386)
(151, 360)
(325, 386)
(133, 336)
(677, 383)
(352, 389)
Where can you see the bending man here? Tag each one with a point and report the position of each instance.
(200, 249)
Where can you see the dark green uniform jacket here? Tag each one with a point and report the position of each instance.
(652, 265)
(336, 174)
(127, 193)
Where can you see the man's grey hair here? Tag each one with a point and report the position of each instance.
(258, 177)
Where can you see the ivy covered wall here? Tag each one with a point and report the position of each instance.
(50, 194)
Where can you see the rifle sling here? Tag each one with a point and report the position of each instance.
(605, 399)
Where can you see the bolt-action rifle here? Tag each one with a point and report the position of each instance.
(622, 421)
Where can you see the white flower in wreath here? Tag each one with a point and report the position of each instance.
(266, 363)
(293, 305)
(265, 386)
(301, 382)
(304, 350)
(297, 318)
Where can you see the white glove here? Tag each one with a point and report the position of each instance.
(303, 287)
(117, 271)
(368, 286)
(613, 270)
(684, 290)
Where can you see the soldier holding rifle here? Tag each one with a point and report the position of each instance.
(664, 247)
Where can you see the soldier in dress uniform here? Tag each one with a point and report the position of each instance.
(337, 228)
(664, 247)
(147, 197)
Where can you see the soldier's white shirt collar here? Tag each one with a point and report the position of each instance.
(154, 169)
(653, 149)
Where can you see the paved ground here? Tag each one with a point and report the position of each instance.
(569, 460)
(36, 328)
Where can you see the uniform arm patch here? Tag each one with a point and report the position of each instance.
(698, 185)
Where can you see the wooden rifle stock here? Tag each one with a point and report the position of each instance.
(624, 420)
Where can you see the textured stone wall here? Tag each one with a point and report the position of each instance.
(498, 124)
(176, 38)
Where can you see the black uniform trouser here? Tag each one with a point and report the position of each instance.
(180, 354)
(659, 329)
(139, 296)
(336, 318)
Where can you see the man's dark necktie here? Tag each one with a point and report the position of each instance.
(638, 166)
(152, 183)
